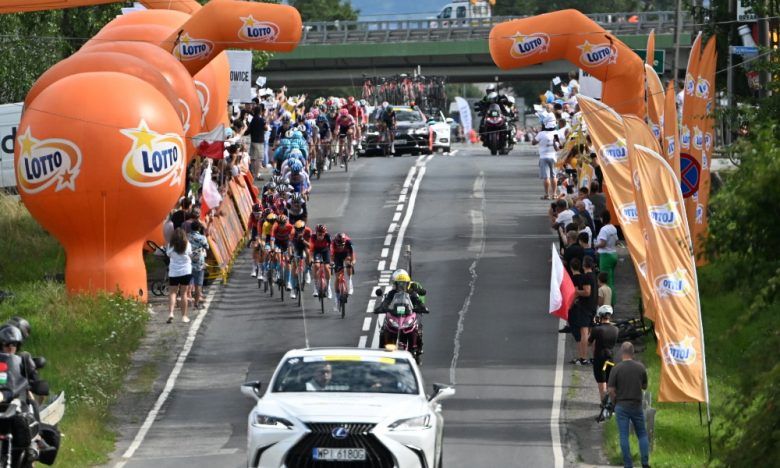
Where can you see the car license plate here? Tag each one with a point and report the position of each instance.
(339, 454)
(400, 142)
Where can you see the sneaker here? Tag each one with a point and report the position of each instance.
(254, 272)
(351, 290)
(308, 278)
(293, 295)
(315, 294)
(289, 286)
(261, 278)
(330, 293)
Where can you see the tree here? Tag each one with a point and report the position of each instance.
(325, 10)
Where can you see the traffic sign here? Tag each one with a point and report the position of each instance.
(690, 172)
(743, 50)
(658, 59)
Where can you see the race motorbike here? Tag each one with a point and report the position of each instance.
(26, 434)
(496, 128)
(401, 326)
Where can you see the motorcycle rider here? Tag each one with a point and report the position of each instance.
(506, 106)
(38, 387)
(402, 284)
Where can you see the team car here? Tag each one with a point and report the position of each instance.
(356, 407)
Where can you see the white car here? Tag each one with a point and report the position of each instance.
(442, 135)
(355, 407)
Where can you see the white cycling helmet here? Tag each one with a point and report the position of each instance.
(401, 279)
(606, 309)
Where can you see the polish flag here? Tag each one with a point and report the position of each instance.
(211, 144)
(561, 288)
(210, 196)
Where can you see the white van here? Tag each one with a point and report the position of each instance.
(459, 11)
(10, 115)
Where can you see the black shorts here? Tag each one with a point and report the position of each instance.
(179, 280)
(282, 245)
(300, 250)
(323, 255)
(601, 375)
(338, 260)
(294, 218)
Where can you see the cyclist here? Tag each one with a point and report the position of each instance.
(387, 118)
(297, 210)
(344, 256)
(302, 245)
(320, 250)
(325, 136)
(255, 222)
(264, 243)
(346, 126)
(354, 109)
(299, 179)
(269, 194)
(281, 235)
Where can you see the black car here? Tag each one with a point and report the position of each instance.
(411, 133)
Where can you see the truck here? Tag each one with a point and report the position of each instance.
(10, 115)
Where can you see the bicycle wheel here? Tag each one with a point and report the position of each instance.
(346, 162)
(343, 306)
(322, 303)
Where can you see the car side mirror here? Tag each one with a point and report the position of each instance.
(378, 292)
(441, 392)
(251, 389)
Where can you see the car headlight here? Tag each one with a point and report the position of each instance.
(412, 424)
(421, 131)
(263, 420)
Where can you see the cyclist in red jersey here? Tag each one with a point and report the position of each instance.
(344, 256)
(302, 244)
(280, 238)
(354, 109)
(320, 250)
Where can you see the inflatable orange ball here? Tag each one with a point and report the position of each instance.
(100, 180)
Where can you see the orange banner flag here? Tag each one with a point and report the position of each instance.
(609, 139)
(703, 146)
(671, 142)
(673, 273)
(690, 168)
(655, 103)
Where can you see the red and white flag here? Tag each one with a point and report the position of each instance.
(210, 196)
(211, 144)
(561, 288)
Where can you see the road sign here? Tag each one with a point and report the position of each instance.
(690, 171)
(745, 12)
(743, 50)
(659, 56)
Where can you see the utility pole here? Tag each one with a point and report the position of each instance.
(763, 41)
(677, 31)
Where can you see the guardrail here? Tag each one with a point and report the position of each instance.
(439, 29)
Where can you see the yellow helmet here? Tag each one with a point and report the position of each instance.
(300, 224)
(271, 217)
(401, 276)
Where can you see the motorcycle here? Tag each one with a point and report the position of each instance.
(401, 326)
(26, 435)
(496, 131)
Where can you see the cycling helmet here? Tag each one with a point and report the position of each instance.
(296, 166)
(282, 220)
(286, 117)
(9, 334)
(606, 309)
(315, 112)
(296, 154)
(289, 134)
(297, 134)
(343, 112)
(272, 186)
(340, 239)
(22, 324)
(351, 99)
(300, 224)
(297, 198)
(271, 217)
(363, 102)
(321, 228)
(385, 104)
(401, 279)
(322, 118)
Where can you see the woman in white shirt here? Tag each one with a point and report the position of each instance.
(605, 246)
(179, 272)
(549, 143)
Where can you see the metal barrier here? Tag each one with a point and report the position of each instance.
(439, 29)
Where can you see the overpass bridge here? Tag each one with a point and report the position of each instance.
(338, 53)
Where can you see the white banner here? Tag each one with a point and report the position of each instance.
(590, 86)
(240, 75)
(465, 115)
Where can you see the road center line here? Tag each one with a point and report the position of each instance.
(381, 265)
(555, 414)
(366, 323)
(362, 341)
(399, 240)
(388, 239)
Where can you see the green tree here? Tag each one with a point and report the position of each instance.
(325, 10)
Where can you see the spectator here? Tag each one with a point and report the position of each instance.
(582, 226)
(626, 382)
(560, 217)
(179, 272)
(579, 318)
(588, 299)
(257, 128)
(583, 196)
(605, 292)
(179, 216)
(579, 206)
(549, 143)
(599, 202)
(584, 240)
(603, 337)
(189, 218)
(200, 247)
(606, 248)
(573, 250)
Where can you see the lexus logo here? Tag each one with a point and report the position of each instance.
(340, 432)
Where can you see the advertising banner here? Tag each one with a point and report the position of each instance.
(240, 75)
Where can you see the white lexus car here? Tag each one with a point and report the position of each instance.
(353, 407)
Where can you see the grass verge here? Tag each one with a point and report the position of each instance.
(680, 438)
(87, 341)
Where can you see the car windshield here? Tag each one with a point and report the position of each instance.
(407, 116)
(347, 374)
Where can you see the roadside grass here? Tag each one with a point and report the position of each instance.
(680, 439)
(86, 340)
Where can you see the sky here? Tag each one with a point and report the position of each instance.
(371, 10)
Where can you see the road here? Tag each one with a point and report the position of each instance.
(480, 245)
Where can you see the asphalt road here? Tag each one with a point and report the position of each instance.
(480, 245)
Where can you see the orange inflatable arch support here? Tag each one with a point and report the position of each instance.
(570, 35)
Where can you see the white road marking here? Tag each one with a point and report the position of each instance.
(399, 240)
(402, 198)
(362, 341)
(381, 265)
(392, 227)
(169, 384)
(371, 303)
(380, 320)
(453, 153)
(420, 158)
(429, 157)
(388, 239)
(409, 176)
(384, 253)
(367, 323)
(555, 414)
(400, 207)
(396, 216)
(478, 242)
